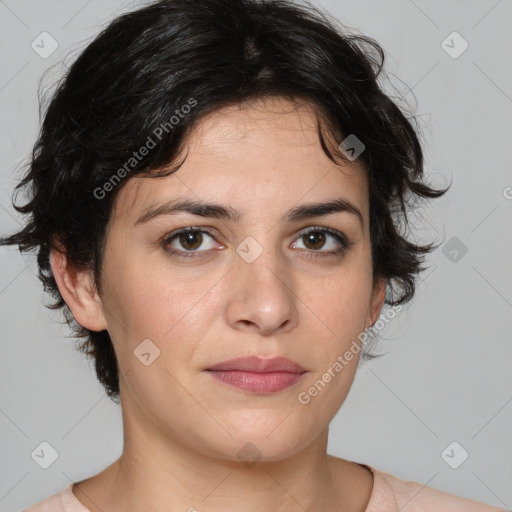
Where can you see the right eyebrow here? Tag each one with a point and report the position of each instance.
(199, 208)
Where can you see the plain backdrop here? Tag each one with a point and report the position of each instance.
(442, 392)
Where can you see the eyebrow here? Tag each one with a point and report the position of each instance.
(219, 211)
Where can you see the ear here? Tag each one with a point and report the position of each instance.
(78, 291)
(377, 300)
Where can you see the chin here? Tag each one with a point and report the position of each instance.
(262, 436)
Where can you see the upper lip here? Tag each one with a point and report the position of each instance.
(259, 365)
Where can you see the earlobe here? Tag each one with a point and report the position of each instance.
(78, 291)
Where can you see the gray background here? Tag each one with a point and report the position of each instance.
(446, 376)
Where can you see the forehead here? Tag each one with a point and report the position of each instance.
(256, 156)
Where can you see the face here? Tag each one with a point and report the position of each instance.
(248, 280)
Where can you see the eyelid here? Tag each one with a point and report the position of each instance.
(166, 239)
(343, 241)
(332, 231)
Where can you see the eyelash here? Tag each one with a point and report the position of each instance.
(186, 255)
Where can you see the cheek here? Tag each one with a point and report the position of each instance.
(149, 302)
(340, 302)
(337, 347)
(339, 307)
(149, 298)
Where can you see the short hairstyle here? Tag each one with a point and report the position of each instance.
(153, 73)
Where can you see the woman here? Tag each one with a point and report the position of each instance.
(216, 194)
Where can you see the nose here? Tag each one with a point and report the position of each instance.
(261, 298)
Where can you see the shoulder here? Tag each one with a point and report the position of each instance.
(393, 495)
(64, 501)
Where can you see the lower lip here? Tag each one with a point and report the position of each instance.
(257, 382)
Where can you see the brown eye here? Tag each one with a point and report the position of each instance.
(323, 241)
(190, 240)
(314, 240)
(186, 242)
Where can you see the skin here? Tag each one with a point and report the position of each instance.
(182, 428)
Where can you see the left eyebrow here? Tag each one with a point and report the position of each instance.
(218, 211)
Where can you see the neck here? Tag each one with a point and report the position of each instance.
(155, 471)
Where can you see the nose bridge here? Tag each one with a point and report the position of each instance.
(261, 265)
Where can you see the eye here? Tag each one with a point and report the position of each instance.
(190, 239)
(316, 238)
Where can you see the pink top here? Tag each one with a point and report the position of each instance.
(389, 494)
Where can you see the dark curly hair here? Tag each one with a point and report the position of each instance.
(133, 82)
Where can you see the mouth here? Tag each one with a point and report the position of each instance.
(258, 375)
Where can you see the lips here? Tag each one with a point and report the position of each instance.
(259, 365)
(258, 375)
